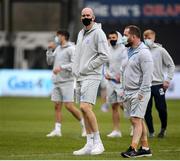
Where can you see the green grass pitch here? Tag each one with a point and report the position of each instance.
(24, 123)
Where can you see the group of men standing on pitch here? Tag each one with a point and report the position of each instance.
(129, 71)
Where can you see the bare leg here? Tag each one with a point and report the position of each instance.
(58, 115)
(144, 140)
(137, 128)
(74, 111)
(89, 116)
(115, 116)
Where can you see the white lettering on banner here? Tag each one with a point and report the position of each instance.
(99, 9)
(125, 10)
(102, 11)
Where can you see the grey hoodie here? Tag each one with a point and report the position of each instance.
(138, 72)
(90, 53)
(162, 61)
(62, 57)
(117, 57)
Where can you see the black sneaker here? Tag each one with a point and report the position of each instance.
(130, 153)
(162, 133)
(143, 153)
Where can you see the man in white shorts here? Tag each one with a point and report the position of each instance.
(117, 56)
(63, 80)
(136, 82)
(90, 54)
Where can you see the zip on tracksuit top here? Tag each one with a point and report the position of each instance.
(90, 53)
(162, 60)
(138, 72)
(62, 57)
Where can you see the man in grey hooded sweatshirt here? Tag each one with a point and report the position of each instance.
(117, 57)
(136, 82)
(162, 60)
(90, 54)
(63, 80)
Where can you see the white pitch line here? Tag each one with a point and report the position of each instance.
(57, 154)
(67, 154)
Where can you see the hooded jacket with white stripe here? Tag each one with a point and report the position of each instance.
(138, 71)
(162, 61)
(62, 57)
(90, 53)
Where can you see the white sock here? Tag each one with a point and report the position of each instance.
(82, 122)
(89, 138)
(97, 138)
(57, 126)
(145, 148)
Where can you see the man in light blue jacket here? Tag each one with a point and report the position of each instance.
(136, 82)
(90, 54)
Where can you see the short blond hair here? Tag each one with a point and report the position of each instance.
(149, 32)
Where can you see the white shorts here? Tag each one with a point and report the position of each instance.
(103, 83)
(134, 107)
(63, 92)
(86, 91)
(113, 92)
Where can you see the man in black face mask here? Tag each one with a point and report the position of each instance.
(90, 54)
(117, 56)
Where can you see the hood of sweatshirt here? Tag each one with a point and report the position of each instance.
(95, 26)
(68, 44)
(119, 37)
(156, 45)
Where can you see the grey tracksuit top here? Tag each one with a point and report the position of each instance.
(162, 60)
(138, 71)
(63, 57)
(117, 57)
(90, 53)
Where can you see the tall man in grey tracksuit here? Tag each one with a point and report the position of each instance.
(117, 56)
(136, 80)
(90, 54)
(63, 80)
(162, 60)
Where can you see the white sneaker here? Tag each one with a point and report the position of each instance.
(83, 151)
(115, 134)
(54, 133)
(83, 132)
(97, 149)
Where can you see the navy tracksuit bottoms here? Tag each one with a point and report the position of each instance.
(158, 93)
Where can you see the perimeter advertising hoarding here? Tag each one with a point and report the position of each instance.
(25, 82)
(37, 83)
(109, 10)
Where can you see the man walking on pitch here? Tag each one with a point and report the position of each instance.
(117, 56)
(90, 54)
(63, 80)
(137, 77)
(162, 60)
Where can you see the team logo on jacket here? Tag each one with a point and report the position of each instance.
(161, 91)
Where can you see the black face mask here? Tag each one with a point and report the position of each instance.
(128, 45)
(113, 42)
(86, 21)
